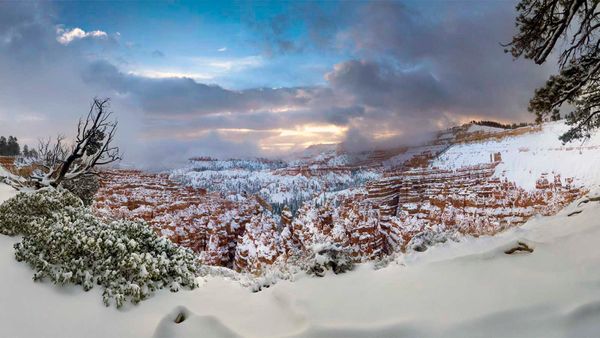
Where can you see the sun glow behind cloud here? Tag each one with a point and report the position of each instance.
(276, 140)
(304, 136)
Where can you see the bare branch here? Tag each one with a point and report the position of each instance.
(93, 146)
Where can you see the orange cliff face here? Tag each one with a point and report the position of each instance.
(204, 222)
(10, 163)
(469, 200)
(7, 162)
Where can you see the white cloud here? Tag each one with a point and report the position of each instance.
(66, 36)
(201, 69)
(164, 74)
(223, 49)
(230, 64)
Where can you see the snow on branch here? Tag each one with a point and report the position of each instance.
(93, 146)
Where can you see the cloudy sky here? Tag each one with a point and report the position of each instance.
(238, 79)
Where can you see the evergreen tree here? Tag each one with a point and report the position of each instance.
(10, 146)
(33, 153)
(13, 148)
(541, 25)
(3, 146)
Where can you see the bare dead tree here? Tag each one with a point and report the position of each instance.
(51, 153)
(93, 146)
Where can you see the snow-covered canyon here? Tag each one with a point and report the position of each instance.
(469, 288)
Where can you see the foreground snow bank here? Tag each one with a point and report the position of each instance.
(6, 191)
(470, 288)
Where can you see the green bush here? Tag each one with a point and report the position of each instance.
(18, 213)
(68, 244)
(329, 257)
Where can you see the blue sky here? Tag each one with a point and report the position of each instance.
(191, 37)
(242, 79)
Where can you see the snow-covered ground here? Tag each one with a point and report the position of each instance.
(484, 129)
(470, 288)
(526, 157)
(6, 191)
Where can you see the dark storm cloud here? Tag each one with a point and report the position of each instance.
(212, 106)
(422, 70)
(426, 65)
(184, 96)
(413, 73)
(262, 121)
(24, 34)
(382, 87)
(460, 63)
(182, 106)
(342, 115)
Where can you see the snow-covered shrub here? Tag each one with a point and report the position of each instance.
(65, 243)
(385, 260)
(84, 187)
(329, 257)
(20, 212)
(281, 269)
(127, 258)
(423, 240)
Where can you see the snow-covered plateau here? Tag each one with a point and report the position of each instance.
(526, 157)
(465, 288)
